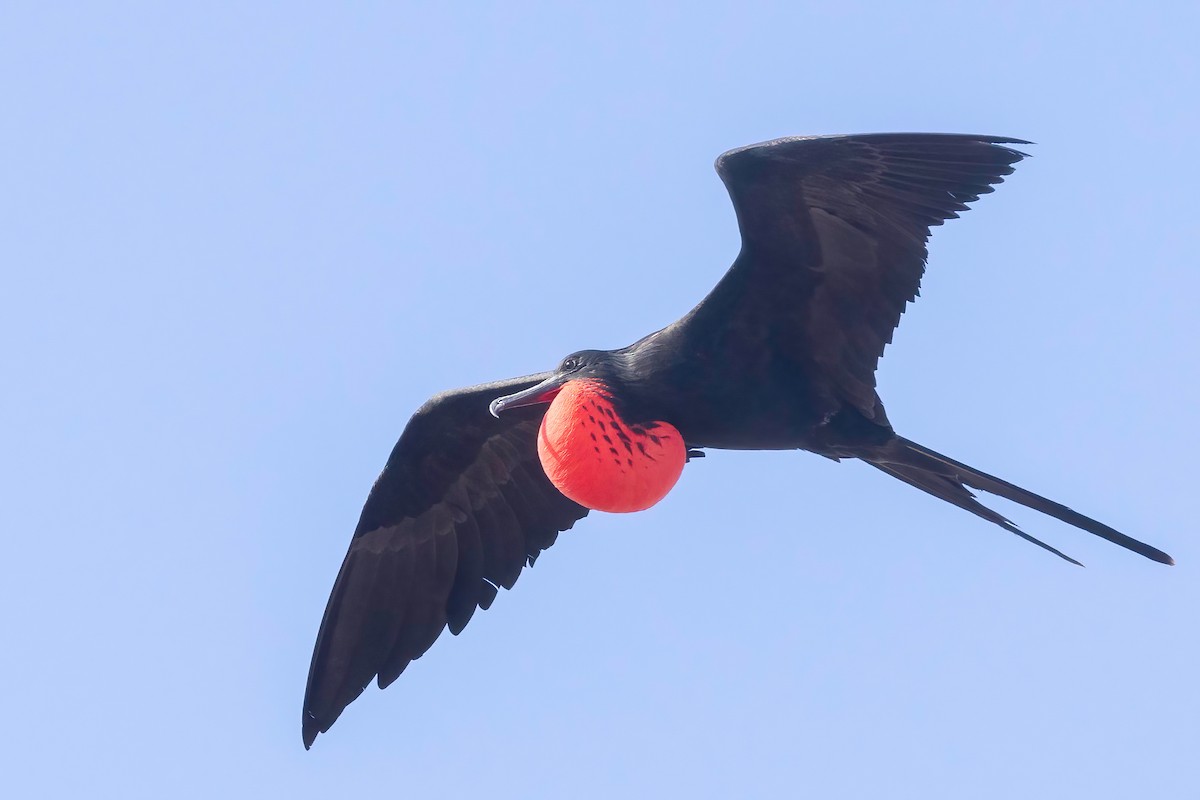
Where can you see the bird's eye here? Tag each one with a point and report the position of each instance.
(570, 364)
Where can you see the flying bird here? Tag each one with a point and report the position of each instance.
(781, 355)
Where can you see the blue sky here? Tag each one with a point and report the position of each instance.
(243, 243)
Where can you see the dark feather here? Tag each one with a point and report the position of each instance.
(833, 244)
(925, 468)
(462, 501)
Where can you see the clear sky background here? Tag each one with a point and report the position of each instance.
(241, 243)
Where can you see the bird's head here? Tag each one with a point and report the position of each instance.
(589, 450)
(600, 366)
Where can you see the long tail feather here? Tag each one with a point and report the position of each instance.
(947, 479)
(951, 492)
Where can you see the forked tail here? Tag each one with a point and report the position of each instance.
(948, 479)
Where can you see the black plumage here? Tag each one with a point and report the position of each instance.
(780, 355)
(460, 508)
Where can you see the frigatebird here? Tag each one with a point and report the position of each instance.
(781, 355)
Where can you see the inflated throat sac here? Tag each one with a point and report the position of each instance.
(595, 458)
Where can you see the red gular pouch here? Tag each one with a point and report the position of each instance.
(599, 460)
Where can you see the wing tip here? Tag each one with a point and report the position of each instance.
(722, 163)
(309, 730)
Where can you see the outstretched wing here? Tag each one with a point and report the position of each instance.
(833, 241)
(460, 508)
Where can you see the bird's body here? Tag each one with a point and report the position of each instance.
(781, 355)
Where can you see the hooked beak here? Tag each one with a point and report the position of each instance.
(542, 392)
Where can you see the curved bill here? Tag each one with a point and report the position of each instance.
(542, 392)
